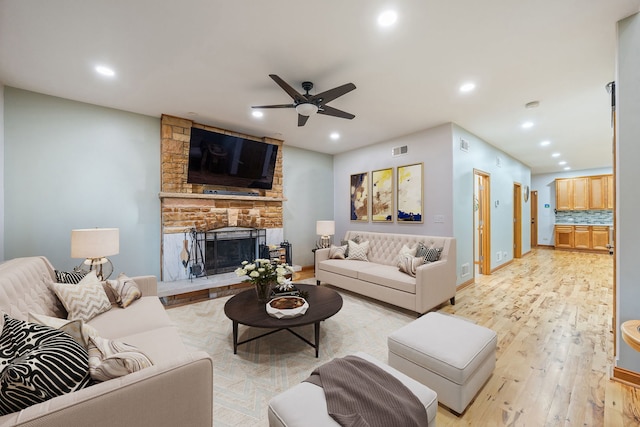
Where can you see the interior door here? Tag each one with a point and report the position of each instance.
(534, 219)
(517, 220)
(482, 222)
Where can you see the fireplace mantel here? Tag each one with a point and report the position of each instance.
(165, 195)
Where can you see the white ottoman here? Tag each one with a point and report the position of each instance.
(303, 405)
(451, 355)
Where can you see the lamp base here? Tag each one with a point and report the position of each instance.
(325, 242)
(102, 266)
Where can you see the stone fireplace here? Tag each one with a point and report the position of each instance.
(186, 207)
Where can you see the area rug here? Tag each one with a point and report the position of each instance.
(245, 382)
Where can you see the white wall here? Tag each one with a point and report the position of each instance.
(504, 172)
(628, 176)
(433, 148)
(545, 185)
(308, 188)
(2, 258)
(74, 165)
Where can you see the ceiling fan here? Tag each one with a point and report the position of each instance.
(307, 104)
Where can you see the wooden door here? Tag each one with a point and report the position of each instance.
(534, 219)
(517, 220)
(582, 237)
(581, 193)
(482, 219)
(564, 194)
(597, 192)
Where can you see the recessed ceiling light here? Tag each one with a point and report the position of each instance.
(562, 163)
(257, 114)
(105, 71)
(467, 87)
(567, 168)
(335, 136)
(555, 155)
(545, 143)
(387, 18)
(527, 125)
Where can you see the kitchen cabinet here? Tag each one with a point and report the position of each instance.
(599, 237)
(583, 193)
(564, 236)
(582, 237)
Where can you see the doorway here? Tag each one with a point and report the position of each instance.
(517, 220)
(482, 222)
(534, 219)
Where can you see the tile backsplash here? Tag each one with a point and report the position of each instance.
(585, 217)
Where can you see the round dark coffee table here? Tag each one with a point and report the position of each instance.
(244, 309)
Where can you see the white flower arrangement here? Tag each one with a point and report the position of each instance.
(263, 271)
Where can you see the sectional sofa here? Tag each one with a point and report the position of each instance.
(176, 389)
(380, 277)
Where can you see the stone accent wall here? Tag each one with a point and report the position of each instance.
(184, 205)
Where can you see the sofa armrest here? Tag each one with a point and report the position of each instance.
(170, 394)
(321, 255)
(435, 283)
(148, 285)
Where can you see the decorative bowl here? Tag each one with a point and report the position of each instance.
(286, 307)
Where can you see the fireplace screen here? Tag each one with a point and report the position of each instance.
(226, 248)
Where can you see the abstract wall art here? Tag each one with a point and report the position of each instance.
(359, 197)
(382, 195)
(410, 193)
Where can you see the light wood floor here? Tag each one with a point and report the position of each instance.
(552, 311)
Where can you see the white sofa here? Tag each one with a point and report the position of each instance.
(177, 389)
(380, 278)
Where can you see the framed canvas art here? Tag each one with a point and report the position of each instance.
(382, 195)
(409, 193)
(359, 191)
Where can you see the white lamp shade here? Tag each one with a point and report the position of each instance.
(95, 242)
(325, 228)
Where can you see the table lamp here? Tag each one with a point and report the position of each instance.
(95, 245)
(325, 229)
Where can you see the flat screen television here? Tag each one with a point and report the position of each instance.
(230, 161)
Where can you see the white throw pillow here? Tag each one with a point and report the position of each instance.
(78, 329)
(358, 251)
(110, 359)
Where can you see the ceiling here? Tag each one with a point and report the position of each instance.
(209, 61)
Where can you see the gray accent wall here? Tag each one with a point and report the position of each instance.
(74, 165)
(308, 188)
(627, 200)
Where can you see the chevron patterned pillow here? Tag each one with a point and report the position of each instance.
(358, 251)
(82, 302)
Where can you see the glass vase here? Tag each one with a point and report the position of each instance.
(263, 291)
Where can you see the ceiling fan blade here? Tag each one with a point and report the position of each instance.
(331, 94)
(275, 106)
(297, 96)
(330, 111)
(302, 119)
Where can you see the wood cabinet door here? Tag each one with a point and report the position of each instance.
(599, 237)
(610, 193)
(581, 193)
(598, 192)
(564, 194)
(564, 236)
(582, 237)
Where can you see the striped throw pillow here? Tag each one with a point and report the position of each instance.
(125, 290)
(110, 359)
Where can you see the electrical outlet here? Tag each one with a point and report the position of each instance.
(438, 219)
(504, 255)
(499, 256)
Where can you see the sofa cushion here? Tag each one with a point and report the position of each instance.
(82, 301)
(344, 267)
(38, 363)
(110, 359)
(144, 314)
(125, 290)
(389, 276)
(161, 345)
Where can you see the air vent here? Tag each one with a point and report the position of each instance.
(464, 145)
(399, 151)
(465, 270)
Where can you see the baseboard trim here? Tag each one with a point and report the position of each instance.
(626, 376)
(465, 284)
(502, 266)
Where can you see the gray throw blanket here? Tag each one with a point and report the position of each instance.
(360, 394)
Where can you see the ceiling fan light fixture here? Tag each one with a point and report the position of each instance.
(306, 109)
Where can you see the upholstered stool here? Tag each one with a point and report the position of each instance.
(304, 405)
(451, 355)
